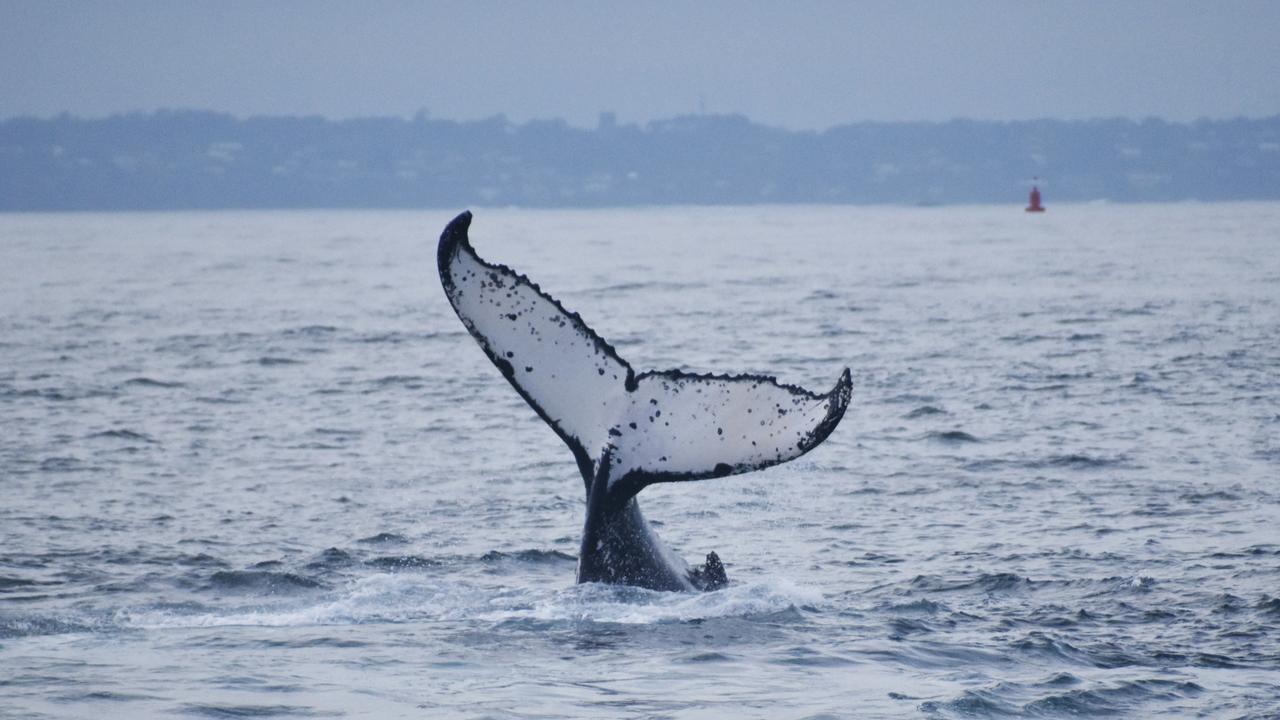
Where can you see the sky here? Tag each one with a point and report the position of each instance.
(799, 65)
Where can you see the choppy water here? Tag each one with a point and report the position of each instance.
(251, 466)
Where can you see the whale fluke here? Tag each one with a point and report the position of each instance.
(627, 430)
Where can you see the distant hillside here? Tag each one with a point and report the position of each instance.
(189, 159)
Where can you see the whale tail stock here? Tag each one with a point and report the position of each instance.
(638, 428)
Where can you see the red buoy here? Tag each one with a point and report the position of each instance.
(1035, 205)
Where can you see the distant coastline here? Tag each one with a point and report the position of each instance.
(184, 159)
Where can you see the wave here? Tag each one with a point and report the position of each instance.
(1195, 498)
(408, 382)
(987, 583)
(275, 361)
(652, 285)
(8, 583)
(1069, 461)
(1006, 699)
(261, 581)
(1113, 699)
(1046, 647)
(224, 710)
(123, 434)
(384, 538)
(152, 383)
(310, 331)
(396, 337)
(1077, 461)
(58, 394)
(403, 562)
(1269, 606)
(952, 437)
(65, 463)
(337, 432)
(331, 559)
(528, 556)
(916, 607)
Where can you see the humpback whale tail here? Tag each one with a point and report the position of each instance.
(627, 430)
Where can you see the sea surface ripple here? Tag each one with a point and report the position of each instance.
(252, 466)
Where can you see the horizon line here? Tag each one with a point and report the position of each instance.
(610, 117)
(515, 207)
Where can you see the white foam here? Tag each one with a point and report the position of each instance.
(399, 598)
(614, 604)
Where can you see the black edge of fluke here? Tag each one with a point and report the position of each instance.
(455, 233)
(678, 374)
(455, 236)
(839, 396)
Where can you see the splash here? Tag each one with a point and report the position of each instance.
(402, 598)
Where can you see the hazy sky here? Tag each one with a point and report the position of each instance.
(793, 64)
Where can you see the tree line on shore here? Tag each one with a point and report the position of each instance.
(182, 159)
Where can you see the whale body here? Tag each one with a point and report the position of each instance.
(627, 430)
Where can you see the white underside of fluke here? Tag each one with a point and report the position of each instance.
(658, 426)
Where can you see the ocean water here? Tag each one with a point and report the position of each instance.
(251, 465)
